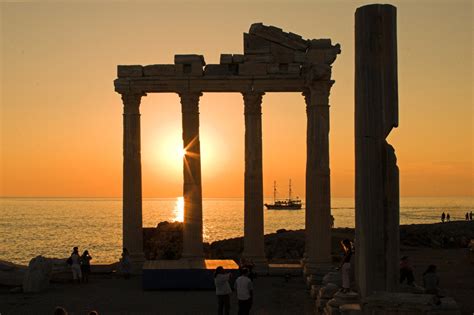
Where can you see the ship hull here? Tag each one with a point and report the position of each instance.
(280, 207)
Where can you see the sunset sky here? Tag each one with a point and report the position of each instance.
(61, 121)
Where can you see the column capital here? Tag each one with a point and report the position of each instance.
(131, 102)
(189, 101)
(253, 102)
(317, 93)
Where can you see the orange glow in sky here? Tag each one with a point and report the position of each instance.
(61, 121)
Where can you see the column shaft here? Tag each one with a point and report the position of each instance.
(253, 199)
(132, 177)
(318, 195)
(192, 191)
(376, 171)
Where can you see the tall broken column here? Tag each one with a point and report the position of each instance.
(132, 178)
(377, 179)
(192, 191)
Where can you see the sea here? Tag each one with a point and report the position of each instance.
(52, 226)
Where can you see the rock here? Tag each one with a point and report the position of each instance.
(328, 291)
(163, 242)
(333, 277)
(11, 274)
(38, 275)
(384, 302)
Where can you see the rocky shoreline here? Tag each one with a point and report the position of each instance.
(165, 241)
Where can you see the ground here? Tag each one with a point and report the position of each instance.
(108, 295)
(273, 295)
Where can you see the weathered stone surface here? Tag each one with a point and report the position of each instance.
(328, 291)
(38, 275)
(189, 59)
(333, 277)
(225, 69)
(252, 68)
(159, 70)
(275, 34)
(408, 303)
(194, 69)
(315, 291)
(282, 54)
(11, 274)
(129, 71)
(284, 68)
(320, 43)
(255, 45)
(237, 58)
(226, 58)
(262, 58)
(350, 309)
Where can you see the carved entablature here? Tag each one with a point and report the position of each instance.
(273, 61)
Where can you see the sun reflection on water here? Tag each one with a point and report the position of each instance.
(178, 210)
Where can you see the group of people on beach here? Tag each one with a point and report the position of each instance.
(80, 265)
(446, 217)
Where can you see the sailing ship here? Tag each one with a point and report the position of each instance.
(284, 204)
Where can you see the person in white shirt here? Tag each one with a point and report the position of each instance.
(223, 291)
(244, 288)
(76, 265)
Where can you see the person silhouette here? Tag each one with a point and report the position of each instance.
(223, 290)
(85, 266)
(443, 216)
(76, 265)
(448, 218)
(470, 215)
(467, 216)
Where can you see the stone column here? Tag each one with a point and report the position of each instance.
(318, 194)
(253, 200)
(192, 191)
(376, 171)
(132, 178)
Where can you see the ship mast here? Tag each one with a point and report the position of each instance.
(274, 190)
(289, 191)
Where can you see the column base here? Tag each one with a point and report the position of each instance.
(136, 263)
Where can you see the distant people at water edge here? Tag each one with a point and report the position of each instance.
(345, 265)
(85, 266)
(406, 271)
(124, 267)
(443, 216)
(223, 290)
(470, 216)
(75, 260)
(448, 217)
(244, 287)
(467, 216)
(332, 221)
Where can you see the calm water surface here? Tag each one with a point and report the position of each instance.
(52, 226)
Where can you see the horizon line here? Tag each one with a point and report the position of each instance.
(214, 197)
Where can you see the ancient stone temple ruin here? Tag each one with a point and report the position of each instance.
(273, 61)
